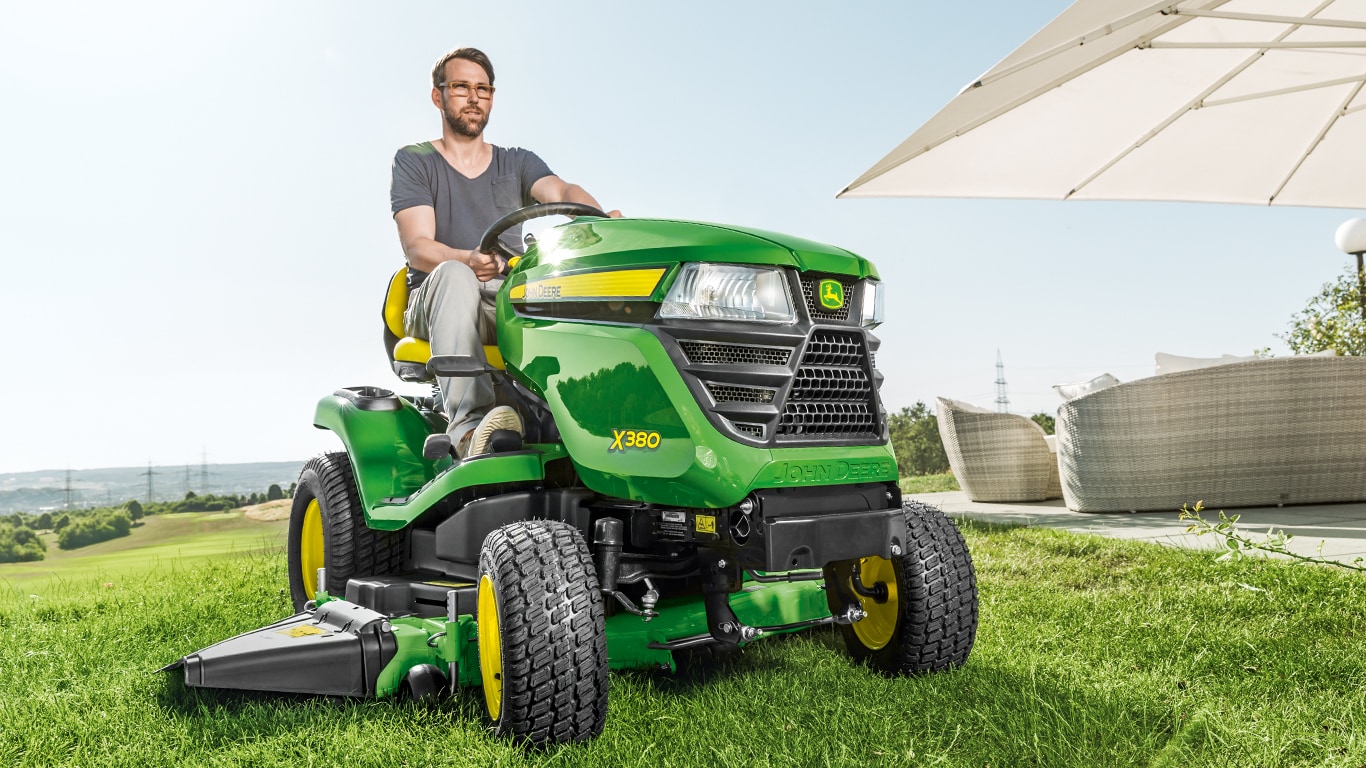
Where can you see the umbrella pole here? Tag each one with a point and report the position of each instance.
(1361, 286)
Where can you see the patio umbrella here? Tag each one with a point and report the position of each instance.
(1231, 101)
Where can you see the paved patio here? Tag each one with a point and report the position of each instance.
(1336, 531)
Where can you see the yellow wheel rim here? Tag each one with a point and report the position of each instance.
(490, 648)
(311, 548)
(876, 629)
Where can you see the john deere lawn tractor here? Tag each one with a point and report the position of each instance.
(705, 463)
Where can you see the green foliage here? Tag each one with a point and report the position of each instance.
(20, 544)
(289, 492)
(45, 521)
(193, 503)
(62, 522)
(1045, 421)
(94, 529)
(1331, 320)
(1239, 544)
(134, 509)
(915, 438)
(274, 493)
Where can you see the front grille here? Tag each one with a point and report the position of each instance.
(710, 353)
(755, 431)
(810, 383)
(813, 306)
(834, 348)
(827, 419)
(831, 384)
(730, 393)
(831, 393)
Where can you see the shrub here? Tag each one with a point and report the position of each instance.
(1331, 320)
(915, 438)
(20, 544)
(1045, 421)
(273, 493)
(94, 529)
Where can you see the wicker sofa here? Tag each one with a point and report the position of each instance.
(997, 456)
(1266, 432)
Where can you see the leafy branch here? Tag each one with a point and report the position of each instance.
(1240, 543)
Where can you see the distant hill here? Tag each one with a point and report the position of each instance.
(46, 489)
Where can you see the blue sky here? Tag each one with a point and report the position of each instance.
(195, 235)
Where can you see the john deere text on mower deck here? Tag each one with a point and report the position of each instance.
(705, 462)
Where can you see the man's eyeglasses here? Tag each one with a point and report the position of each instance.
(462, 89)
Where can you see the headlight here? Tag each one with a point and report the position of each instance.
(873, 310)
(729, 292)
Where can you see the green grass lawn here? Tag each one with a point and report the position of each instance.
(1091, 652)
(929, 483)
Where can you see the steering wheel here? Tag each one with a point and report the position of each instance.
(491, 244)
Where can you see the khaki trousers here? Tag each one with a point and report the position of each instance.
(456, 313)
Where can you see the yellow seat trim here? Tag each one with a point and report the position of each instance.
(396, 302)
(410, 349)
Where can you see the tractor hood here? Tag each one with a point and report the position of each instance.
(592, 242)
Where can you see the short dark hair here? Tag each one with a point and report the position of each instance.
(468, 54)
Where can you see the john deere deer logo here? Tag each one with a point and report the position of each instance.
(832, 294)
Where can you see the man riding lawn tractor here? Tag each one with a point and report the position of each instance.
(692, 454)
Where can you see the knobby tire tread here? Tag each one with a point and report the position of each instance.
(554, 638)
(351, 547)
(937, 596)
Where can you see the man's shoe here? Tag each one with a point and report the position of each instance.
(501, 417)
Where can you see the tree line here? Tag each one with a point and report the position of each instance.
(20, 539)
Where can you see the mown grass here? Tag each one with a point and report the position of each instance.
(929, 483)
(1091, 652)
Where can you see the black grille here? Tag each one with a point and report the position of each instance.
(831, 384)
(813, 306)
(834, 348)
(832, 393)
(734, 354)
(827, 419)
(755, 431)
(730, 393)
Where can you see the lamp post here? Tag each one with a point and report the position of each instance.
(1351, 238)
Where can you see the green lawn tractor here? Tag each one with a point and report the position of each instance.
(705, 463)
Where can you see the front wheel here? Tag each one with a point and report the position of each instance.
(542, 634)
(920, 607)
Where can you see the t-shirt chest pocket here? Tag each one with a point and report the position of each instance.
(507, 194)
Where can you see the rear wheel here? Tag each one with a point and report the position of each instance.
(542, 634)
(327, 530)
(922, 615)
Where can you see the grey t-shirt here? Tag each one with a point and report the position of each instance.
(464, 207)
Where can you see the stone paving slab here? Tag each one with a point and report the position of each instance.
(1336, 531)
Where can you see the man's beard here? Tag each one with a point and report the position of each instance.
(468, 127)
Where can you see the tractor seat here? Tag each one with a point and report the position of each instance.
(409, 355)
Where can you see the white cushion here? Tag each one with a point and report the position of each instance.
(1052, 442)
(1176, 363)
(1073, 391)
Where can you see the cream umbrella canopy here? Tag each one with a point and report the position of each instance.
(1230, 101)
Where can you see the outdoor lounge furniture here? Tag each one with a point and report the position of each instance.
(1275, 431)
(997, 456)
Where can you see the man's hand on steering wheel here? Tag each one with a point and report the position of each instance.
(486, 266)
